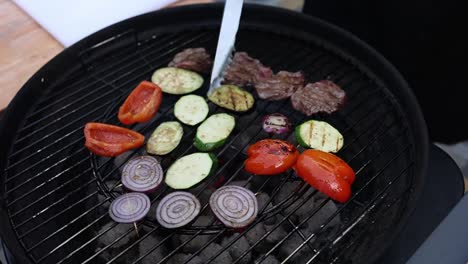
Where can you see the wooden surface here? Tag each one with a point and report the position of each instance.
(25, 47)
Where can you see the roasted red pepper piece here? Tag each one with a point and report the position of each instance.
(142, 104)
(327, 173)
(110, 141)
(270, 156)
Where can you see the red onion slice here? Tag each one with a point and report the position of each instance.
(142, 174)
(234, 206)
(129, 207)
(177, 209)
(276, 123)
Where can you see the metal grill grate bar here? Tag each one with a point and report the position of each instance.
(353, 242)
(74, 110)
(42, 184)
(134, 77)
(21, 236)
(321, 205)
(70, 238)
(44, 210)
(25, 159)
(207, 182)
(186, 241)
(48, 157)
(55, 249)
(57, 131)
(277, 189)
(220, 169)
(55, 177)
(202, 209)
(371, 123)
(378, 198)
(89, 242)
(234, 174)
(41, 173)
(60, 93)
(310, 216)
(44, 159)
(71, 144)
(307, 198)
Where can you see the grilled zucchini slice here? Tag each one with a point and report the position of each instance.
(191, 109)
(319, 135)
(190, 170)
(214, 131)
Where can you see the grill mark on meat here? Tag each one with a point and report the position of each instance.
(322, 96)
(245, 70)
(279, 86)
(194, 59)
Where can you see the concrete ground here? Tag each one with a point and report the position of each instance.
(459, 153)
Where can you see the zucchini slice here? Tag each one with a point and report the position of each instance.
(165, 138)
(214, 131)
(191, 109)
(232, 97)
(319, 135)
(190, 170)
(177, 81)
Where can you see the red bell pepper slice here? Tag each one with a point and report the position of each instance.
(327, 173)
(270, 157)
(142, 104)
(110, 141)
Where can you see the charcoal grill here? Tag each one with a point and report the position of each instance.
(55, 194)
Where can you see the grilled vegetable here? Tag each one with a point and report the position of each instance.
(141, 105)
(232, 97)
(165, 138)
(191, 109)
(110, 141)
(234, 206)
(142, 174)
(177, 209)
(129, 208)
(327, 173)
(276, 123)
(214, 131)
(177, 81)
(190, 170)
(319, 135)
(270, 157)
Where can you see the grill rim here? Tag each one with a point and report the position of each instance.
(15, 114)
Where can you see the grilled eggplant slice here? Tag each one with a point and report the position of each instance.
(177, 81)
(232, 97)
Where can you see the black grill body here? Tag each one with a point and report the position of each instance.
(55, 194)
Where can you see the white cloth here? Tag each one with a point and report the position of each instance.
(71, 20)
